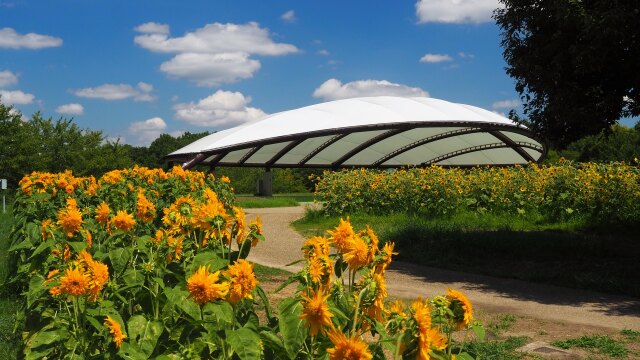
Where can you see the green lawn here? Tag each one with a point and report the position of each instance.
(277, 200)
(565, 254)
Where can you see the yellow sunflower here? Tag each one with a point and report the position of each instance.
(357, 253)
(102, 213)
(204, 287)
(243, 280)
(461, 308)
(342, 233)
(345, 348)
(70, 220)
(146, 211)
(74, 282)
(116, 331)
(123, 221)
(316, 312)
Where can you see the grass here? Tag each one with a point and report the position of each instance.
(562, 253)
(279, 200)
(499, 349)
(599, 344)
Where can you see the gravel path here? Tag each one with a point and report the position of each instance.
(282, 246)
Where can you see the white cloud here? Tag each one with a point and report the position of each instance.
(153, 28)
(506, 104)
(323, 52)
(214, 39)
(14, 111)
(435, 58)
(464, 55)
(10, 39)
(70, 109)
(222, 108)
(455, 11)
(333, 89)
(148, 130)
(16, 97)
(118, 92)
(8, 78)
(211, 69)
(289, 16)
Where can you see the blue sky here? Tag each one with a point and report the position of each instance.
(135, 69)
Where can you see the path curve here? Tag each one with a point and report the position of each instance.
(407, 281)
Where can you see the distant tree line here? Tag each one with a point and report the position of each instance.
(55, 145)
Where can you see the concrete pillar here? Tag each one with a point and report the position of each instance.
(267, 188)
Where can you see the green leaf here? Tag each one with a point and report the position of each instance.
(78, 246)
(265, 302)
(145, 333)
(24, 244)
(120, 258)
(36, 289)
(478, 329)
(207, 258)
(291, 326)
(47, 338)
(180, 298)
(131, 352)
(464, 356)
(42, 247)
(220, 314)
(245, 342)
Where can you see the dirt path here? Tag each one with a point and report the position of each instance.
(486, 293)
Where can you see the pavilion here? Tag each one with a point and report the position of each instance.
(370, 132)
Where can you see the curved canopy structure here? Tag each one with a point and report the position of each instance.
(382, 132)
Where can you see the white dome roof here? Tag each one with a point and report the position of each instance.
(383, 131)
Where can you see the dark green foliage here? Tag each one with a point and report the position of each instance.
(574, 63)
(620, 143)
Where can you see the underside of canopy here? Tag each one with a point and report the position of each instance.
(378, 132)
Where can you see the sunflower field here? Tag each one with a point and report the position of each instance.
(595, 191)
(144, 263)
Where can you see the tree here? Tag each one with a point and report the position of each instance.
(18, 148)
(575, 63)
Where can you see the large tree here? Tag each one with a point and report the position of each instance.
(575, 63)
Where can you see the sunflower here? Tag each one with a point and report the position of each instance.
(255, 231)
(243, 280)
(316, 245)
(341, 234)
(461, 308)
(146, 209)
(74, 282)
(102, 213)
(240, 224)
(116, 330)
(347, 348)
(204, 287)
(123, 221)
(357, 253)
(70, 220)
(46, 228)
(316, 312)
(387, 253)
(98, 274)
(316, 270)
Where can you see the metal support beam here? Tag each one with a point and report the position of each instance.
(325, 145)
(512, 144)
(194, 161)
(366, 144)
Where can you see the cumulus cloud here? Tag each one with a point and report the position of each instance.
(323, 52)
(16, 97)
(222, 108)
(8, 78)
(153, 28)
(148, 130)
(455, 11)
(289, 16)
(435, 58)
(214, 39)
(333, 89)
(211, 69)
(10, 39)
(118, 92)
(70, 109)
(506, 104)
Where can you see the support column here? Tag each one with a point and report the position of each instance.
(267, 188)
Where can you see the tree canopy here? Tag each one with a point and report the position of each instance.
(575, 63)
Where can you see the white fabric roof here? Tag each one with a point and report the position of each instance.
(383, 131)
